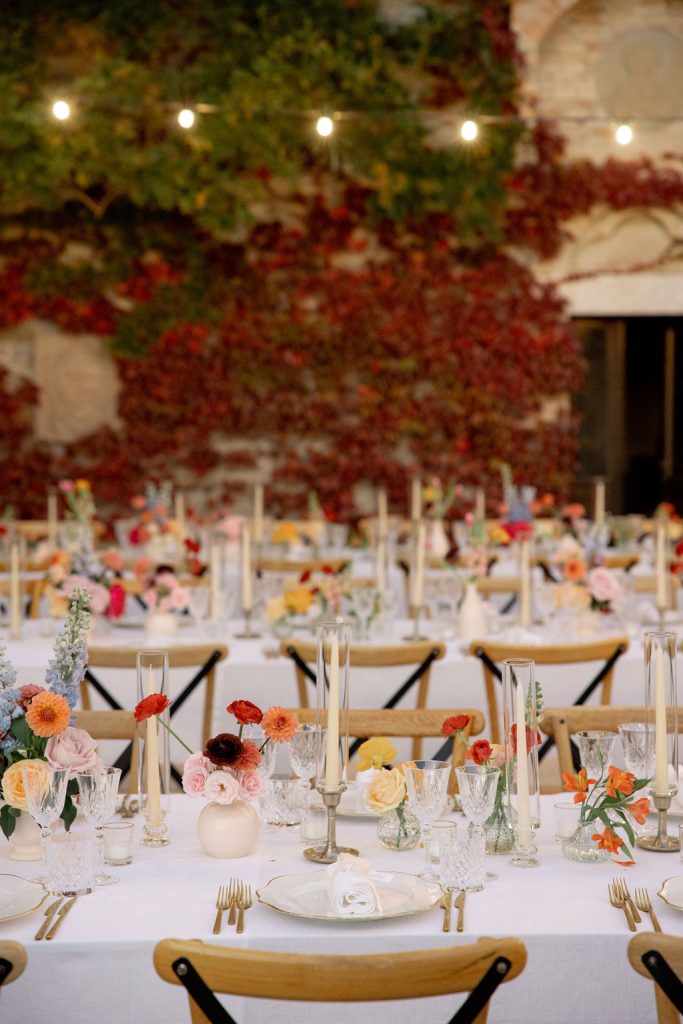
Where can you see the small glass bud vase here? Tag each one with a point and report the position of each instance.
(399, 829)
(582, 848)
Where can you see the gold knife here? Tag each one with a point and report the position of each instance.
(446, 906)
(61, 914)
(460, 905)
(49, 914)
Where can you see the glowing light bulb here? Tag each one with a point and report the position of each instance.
(61, 110)
(469, 130)
(324, 126)
(186, 118)
(624, 134)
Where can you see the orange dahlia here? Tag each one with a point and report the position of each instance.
(279, 725)
(48, 714)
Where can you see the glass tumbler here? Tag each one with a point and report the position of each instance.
(70, 859)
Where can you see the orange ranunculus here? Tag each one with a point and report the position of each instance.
(639, 809)
(48, 714)
(279, 725)
(619, 782)
(574, 569)
(480, 752)
(154, 704)
(454, 724)
(577, 784)
(608, 840)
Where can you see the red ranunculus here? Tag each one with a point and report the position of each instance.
(152, 705)
(454, 724)
(225, 750)
(480, 752)
(245, 712)
(117, 601)
(530, 741)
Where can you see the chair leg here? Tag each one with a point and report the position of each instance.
(492, 702)
(606, 693)
(422, 694)
(301, 687)
(85, 695)
(208, 705)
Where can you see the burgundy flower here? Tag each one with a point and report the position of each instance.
(225, 750)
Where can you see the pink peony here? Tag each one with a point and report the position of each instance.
(112, 559)
(195, 773)
(74, 749)
(251, 786)
(603, 585)
(222, 787)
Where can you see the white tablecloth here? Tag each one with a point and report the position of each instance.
(99, 968)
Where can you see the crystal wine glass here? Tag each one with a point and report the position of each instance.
(302, 751)
(638, 743)
(477, 785)
(595, 749)
(98, 791)
(427, 786)
(364, 604)
(45, 796)
(198, 602)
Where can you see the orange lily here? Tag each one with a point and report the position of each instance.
(608, 840)
(577, 784)
(639, 809)
(618, 780)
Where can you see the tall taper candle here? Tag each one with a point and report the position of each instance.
(525, 583)
(599, 510)
(416, 499)
(381, 565)
(180, 513)
(332, 748)
(660, 563)
(247, 590)
(417, 583)
(215, 570)
(661, 732)
(152, 763)
(382, 514)
(480, 503)
(523, 813)
(14, 592)
(258, 514)
(52, 519)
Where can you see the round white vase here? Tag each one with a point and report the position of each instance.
(438, 544)
(228, 830)
(472, 615)
(161, 624)
(25, 842)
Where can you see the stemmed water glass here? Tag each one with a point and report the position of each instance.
(45, 795)
(477, 786)
(427, 786)
(595, 750)
(364, 604)
(198, 603)
(302, 751)
(98, 790)
(638, 744)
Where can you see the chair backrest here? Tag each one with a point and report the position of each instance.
(545, 654)
(498, 584)
(648, 585)
(563, 723)
(414, 723)
(670, 947)
(296, 567)
(114, 725)
(338, 979)
(14, 954)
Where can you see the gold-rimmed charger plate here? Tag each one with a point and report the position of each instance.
(19, 896)
(672, 891)
(306, 895)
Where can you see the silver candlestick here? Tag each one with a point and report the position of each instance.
(248, 633)
(415, 614)
(329, 853)
(662, 842)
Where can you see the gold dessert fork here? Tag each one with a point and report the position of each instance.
(243, 904)
(625, 894)
(222, 903)
(618, 901)
(644, 903)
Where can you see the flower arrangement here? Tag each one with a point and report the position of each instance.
(475, 564)
(153, 508)
(34, 720)
(608, 802)
(99, 576)
(193, 563)
(227, 768)
(163, 592)
(315, 597)
(285, 534)
(80, 504)
(437, 499)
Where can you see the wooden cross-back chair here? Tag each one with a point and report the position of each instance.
(648, 585)
(13, 961)
(492, 653)
(561, 723)
(421, 654)
(298, 566)
(114, 725)
(411, 723)
(660, 958)
(30, 591)
(478, 968)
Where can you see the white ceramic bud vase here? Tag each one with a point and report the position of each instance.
(228, 830)
(472, 615)
(437, 539)
(161, 624)
(25, 842)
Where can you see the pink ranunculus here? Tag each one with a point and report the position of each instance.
(251, 785)
(112, 559)
(603, 585)
(222, 787)
(74, 749)
(195, 774)
(99, 595)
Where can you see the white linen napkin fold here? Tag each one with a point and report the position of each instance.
(350, 889)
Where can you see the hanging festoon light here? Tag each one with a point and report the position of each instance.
(186, 117)
(469, 130)
(623, 134)
(61, 110)
(324, 126)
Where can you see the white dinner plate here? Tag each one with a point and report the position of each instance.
(351, 806)
(400, 894)
(19, 896)
(672, 891)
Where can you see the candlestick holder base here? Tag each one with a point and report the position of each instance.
(415, 614)
(155, 834)
(329, 853)
(525, 849)
(247, 633)
(662, 842)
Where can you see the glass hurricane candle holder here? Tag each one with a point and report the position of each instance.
(521, 739)
(154, 780)
(661, 699)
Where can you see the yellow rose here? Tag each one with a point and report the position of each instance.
(13, 791)
(275, 608)
(285, 533)
(82, 485)
(298, 600)
(386, 792)
(375, 752)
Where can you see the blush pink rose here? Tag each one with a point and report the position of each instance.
(603, 585)
(195, 774)
(251, 785)
(74, 749)
(222, 787)
(179, 599)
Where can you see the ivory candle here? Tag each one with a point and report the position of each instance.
(152, 763)
(480, 504)
(661, 734)
(599, 510)
(382, 514)
(523, 815)
(258, 514)
(180, 512)
(14, 592)
(247, 593)
(215, 570)
(416, 499)
(381, 565)
(332, 749)
(52, 519)
(660, 564)
(525, 584)
(417, 583)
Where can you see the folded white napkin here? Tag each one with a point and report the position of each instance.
(351, 890)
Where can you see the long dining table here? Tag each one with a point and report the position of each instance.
(99, 966)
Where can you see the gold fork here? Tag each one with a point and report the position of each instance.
(222, 903)
(235, 893)
(618, 901)
(644, 903)
(625, 894)
(244, 904)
